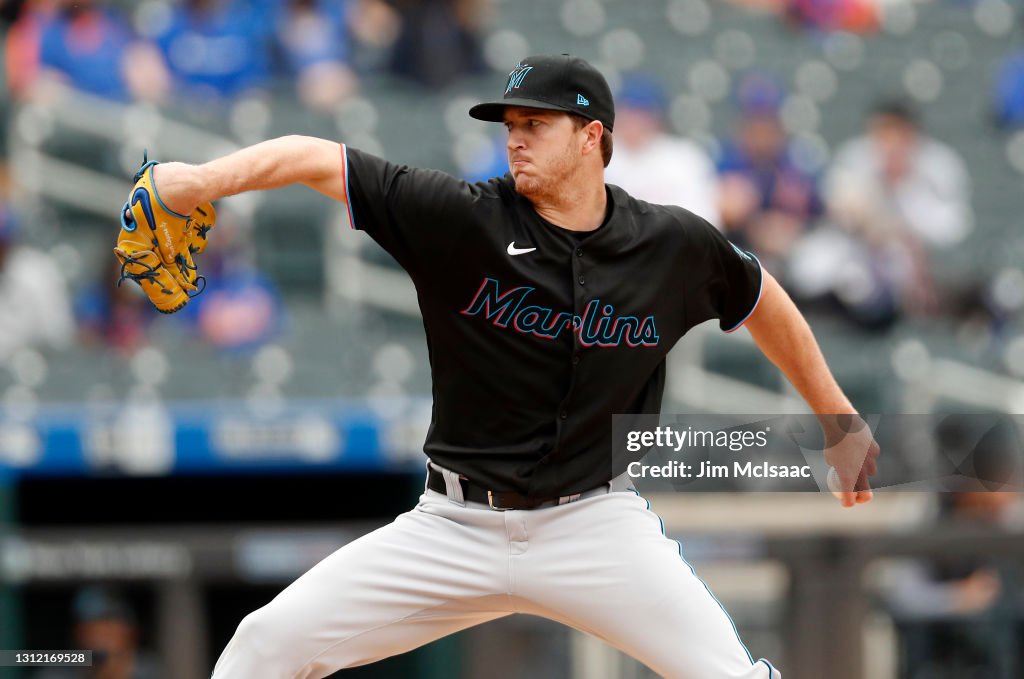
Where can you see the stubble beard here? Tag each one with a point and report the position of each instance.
(551, 186)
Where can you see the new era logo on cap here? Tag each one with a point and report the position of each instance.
(554, 83)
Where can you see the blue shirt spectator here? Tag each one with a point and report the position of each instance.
(312, 38)
(219, 48)
(492, 161)
(768, 165)
(113, 316)
(312, 32)
(1008, 95)
(767, 201)
(239, 311)
(86, 44)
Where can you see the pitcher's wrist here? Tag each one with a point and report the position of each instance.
(179, 186)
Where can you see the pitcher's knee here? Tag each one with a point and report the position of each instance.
(264, 645)
(261, 634)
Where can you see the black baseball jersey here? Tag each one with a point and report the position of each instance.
(537, 335)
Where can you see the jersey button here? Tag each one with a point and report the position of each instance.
(575, 360)
(580, 279)
(564, 414)
(579, 252)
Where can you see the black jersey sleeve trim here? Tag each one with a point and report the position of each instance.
(760, 291)
(348, 196)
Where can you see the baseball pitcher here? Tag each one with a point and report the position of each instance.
(550, 300)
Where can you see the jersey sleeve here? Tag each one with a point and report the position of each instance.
(728, 281)
(415, 214)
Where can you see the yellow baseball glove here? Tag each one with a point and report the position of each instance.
(156, 244)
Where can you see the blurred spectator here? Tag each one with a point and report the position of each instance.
(438, 40)
(9, 11)
(21, 49)
(652, 164)
(240, 309)
(492, 161)
(219, 49)
(85, 45)
(312, 37)
(956, 615)
(373, 23)
(851, 16)
(34, 302)
(922, 182)
(1008, 93)
(891, 194)
(113, 315)
(766, 201)
(105, 624)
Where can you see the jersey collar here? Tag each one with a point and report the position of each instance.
(614, 235)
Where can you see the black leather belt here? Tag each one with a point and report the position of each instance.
(500, 500)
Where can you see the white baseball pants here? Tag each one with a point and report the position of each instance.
(601, 564)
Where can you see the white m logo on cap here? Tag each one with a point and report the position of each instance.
(515, 78)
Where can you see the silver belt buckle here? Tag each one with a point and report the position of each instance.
(490, 502)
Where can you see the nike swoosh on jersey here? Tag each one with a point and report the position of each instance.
(513, 250)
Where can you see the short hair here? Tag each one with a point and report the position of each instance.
(898, 109)
(606, 137)
(95, 603)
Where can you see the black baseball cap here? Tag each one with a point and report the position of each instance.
(554, 83)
